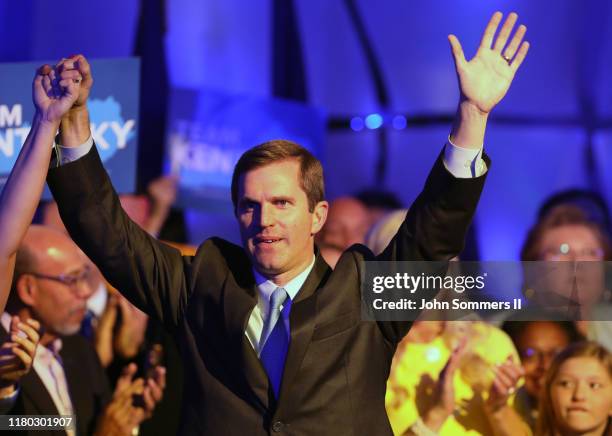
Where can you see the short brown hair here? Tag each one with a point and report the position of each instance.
(562, 215)
(311, 170)
(546, 419)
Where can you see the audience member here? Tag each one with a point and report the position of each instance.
(16, 356)
(51, 285)
(125, 335)
(537, 342)
(454, 378)
(577, 393)
(347, 223)
(590, 202)
(568, 225)
(574, 286)
(120, 330)
(595, 210)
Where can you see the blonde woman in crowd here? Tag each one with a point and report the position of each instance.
(454, 378)
(450, 377)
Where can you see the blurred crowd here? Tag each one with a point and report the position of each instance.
(98, 358)
(530, 372)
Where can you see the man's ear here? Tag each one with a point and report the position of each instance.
(319, 216)
(27, 289)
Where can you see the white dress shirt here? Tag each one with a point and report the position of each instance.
(259, 314)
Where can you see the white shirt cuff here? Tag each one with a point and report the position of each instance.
(70, 154)
(464, 163)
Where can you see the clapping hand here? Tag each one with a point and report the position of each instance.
(17, 354)
(507, 376)
(443, 401)
(133, 401)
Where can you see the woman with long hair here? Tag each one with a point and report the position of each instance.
(577, 395)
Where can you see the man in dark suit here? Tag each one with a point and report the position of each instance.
(272, 339)
(50, 285)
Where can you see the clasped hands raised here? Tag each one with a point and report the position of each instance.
(62, 88)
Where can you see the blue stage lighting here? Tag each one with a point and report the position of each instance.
(373, 121)
(399, 122)
(357, 124)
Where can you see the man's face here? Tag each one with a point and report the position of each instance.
(60, 285)
(581, 396)
(276, 227)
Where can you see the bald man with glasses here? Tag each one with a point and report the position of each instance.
(51, 284)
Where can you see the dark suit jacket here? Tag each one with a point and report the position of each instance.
(337, 365)
(87, 385)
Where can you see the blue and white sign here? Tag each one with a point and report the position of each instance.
(113, 110)
(209, 130)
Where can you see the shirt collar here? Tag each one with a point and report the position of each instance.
(266, 286)
(97, 302)
(6, 321)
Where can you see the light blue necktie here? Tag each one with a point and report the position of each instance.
(276, 339)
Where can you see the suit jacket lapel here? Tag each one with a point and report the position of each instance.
(302, 322)
(240, 299)
(72, 369)
(34, 388)
(256, 375)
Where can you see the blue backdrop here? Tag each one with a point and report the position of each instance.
(113, 107)
(557, 114)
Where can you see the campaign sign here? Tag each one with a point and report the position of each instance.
(209, 130)
(113, 110)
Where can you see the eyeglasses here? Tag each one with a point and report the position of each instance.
(565, 252)
(70, 280)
